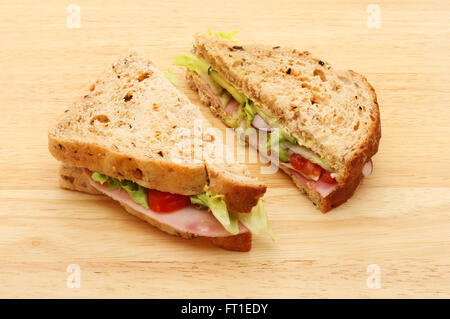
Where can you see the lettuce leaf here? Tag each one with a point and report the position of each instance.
(220, 80)
(101, 178)
(137, 193)
(171, 77)
(191, 63)
(250, 111)
(217, 205)
(256, 221)
(225, 35)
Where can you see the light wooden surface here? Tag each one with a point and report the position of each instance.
(399, 218)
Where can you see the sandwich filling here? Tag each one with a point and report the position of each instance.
(203, 214)
(241, 113)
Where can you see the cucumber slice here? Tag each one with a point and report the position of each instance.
(283, 155)
(216, 88)
(223, 83)
(308, 154)
(231, 122)
(314, 178)
(225, 98)
(283, 135)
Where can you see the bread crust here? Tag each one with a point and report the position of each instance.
(372, 141)
(161, 175)
(241, 242)
(77, 178)
(334, 199)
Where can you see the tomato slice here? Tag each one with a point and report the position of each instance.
(305, 166)
(326, 177)
(164, 202)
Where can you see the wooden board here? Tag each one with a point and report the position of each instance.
(399, 219)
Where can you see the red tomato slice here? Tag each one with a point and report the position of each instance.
(297, 161)
(326, 177)
(305, 166)
(312, 169)
(164, 202)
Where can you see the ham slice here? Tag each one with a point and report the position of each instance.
(324, 189)
(367, 168)
(260, 124)
(199, 222)
(231, 107)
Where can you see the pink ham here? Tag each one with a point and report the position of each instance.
(199, 222)
(231, 107)
(260, 124)
(367, 168)
(324, 189)
(210, 91)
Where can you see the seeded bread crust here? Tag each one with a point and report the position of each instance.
(339, 196)
(228, 184)
(74, 178)
(335, 113)
(127, 127)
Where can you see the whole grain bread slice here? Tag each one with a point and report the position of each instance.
(339, 196)
(334, 113)
(74, 178)
(133, 125)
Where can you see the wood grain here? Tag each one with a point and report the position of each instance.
(398, 219)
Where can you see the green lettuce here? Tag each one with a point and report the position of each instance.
(225, 35)
(216, 203)
(191, 63)
(256, 221)
(250, 111)
(171, 77)
(239, 97)
(308, 154)
(137, 193)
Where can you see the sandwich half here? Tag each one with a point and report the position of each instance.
(129, 138)
(327, 121)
